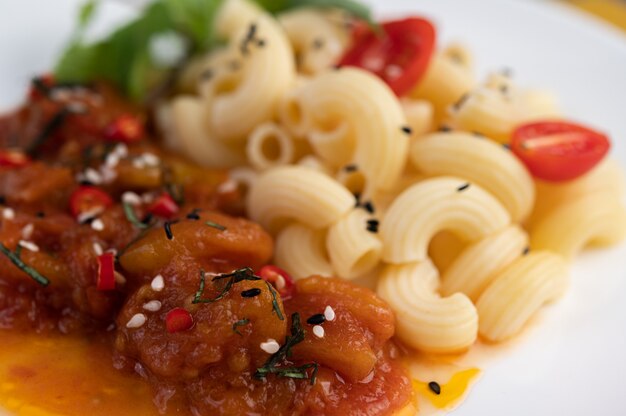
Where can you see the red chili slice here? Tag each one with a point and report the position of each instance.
(399, 55)
(164, 206)
(280, 279)
(13, 158)
(177, 320)
(559, 150)
(126, 128)
(89, 199)
(106, 272)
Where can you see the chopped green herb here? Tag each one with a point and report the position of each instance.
(272, 365)
(239, 323)
(132, 217)
(49, 129)
(15, 258)
(215, 225)
(233, 278)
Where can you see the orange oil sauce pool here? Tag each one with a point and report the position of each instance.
(68, 376)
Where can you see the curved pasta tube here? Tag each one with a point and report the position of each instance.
(185, 132)
(597, 217)
(419, 115)
(353, 250)
(317, 41)
(290, 112)
(297, 193)
(250, 76)
(269, 146)
(434, 205)
(480, 161)
(444, 83)
(314, 163)
(478, 264)
(359, 105)
(518, 292)
(425, 320)
(607, 177)
(301, 251)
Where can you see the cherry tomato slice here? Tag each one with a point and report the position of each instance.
(13, 158)
(88, 199)
(280, 279)
(558, 151)
(126, 128)
(177, 320)
(106, 272)
(164, 206)
(400, 55)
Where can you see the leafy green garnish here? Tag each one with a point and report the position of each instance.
(239, 323)
(15, 258)
(275, 364)
(126, 58)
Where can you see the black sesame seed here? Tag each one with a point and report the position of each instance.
(357, 197)
(336, 67)
(234, 65)
(206, 74)
(250, 293)
(40, 214)
(318, 43)
(444, 128)
(504, 88)
(85, 182)
(167, 226)
(526, 251)
(147, 218)
(506, 146)
(372, 226)
(316, 319)
(351, 168)
(463, 187)
(406, 129)
(478, 134)
(461, 101)
(193, 215)
(435, 387)
(261, 43)
(3, 200)
(368, 206)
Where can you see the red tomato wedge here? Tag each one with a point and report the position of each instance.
(280, 279)
(559, 151)
(89, 199)
(399, 55)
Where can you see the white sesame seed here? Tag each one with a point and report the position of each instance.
(93, 176)
(8, 214)
(329, 313)
(29, 245)
(318, 331)
(147, 198)
(158, 283)
(110, 327)
(119, 278)
(230, 185)
(77, 108)
(97, 224)
(112, 160)
(152, 306)
(27, 231)
(112, 251)
(108, 174)
(139, 163)
(150, 159)
(83, 217)
(131, 198)
(121, 150)
(97, 248)
(270, 346)
(280, 282)
(393, 71)
(136, 321)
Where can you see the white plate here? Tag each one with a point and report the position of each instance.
(570, 363)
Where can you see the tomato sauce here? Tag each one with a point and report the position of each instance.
(73, 345)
